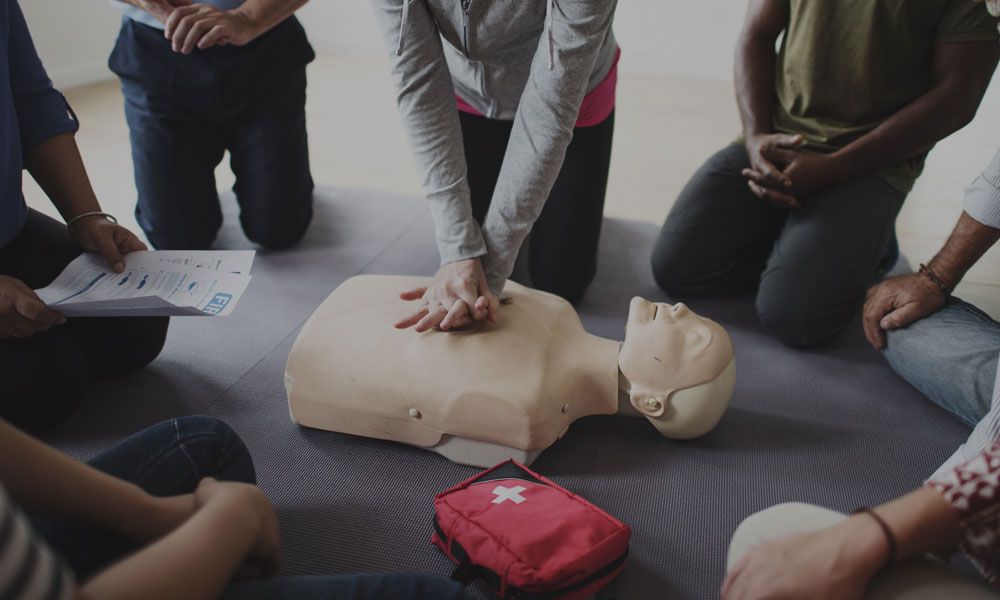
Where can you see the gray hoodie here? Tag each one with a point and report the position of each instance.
(527, 60)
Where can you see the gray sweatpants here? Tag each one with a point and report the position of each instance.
(810, 266)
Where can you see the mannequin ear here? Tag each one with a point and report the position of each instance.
(650, 405)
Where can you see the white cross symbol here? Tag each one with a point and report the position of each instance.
(513, 493)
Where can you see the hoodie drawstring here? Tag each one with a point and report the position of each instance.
(548, 25)
(402, 27)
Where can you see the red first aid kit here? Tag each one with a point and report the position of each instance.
(526, 537)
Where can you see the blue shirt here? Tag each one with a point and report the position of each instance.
(31, 111)
(137, 14)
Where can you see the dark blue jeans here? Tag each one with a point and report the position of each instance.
(171, 458)
(185, 111)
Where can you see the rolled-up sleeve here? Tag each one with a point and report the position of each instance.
(42, 112)
(982, 197)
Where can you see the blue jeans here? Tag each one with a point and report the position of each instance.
(185, 111)
(171, 458)
(950, 356)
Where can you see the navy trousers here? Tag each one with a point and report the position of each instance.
(185, 111)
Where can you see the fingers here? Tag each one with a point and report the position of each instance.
(106, 246)
(458, 310)
(876, 307)
(413, 319)
(215, 35)
(903, 316)
(414, 294)
(779, 155)
(197, 30)
(433, 318)
(127, 242)
(773, 196)
(785, 140)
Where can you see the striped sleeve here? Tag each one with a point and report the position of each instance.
(28, 568)
(982, 197)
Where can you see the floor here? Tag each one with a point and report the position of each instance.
(665, 127)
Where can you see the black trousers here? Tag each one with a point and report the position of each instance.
(562, 246)
(810, 266)
(44, 376)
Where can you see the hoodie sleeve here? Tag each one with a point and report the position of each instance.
(574, 32)
(426, 100)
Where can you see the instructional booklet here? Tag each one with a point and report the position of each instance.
(154, 283)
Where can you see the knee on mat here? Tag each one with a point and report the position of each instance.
(215, 449)
(799, 325)
(671, 270)
(278, 234)
(137, 343)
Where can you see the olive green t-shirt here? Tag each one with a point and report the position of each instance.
(844, 66)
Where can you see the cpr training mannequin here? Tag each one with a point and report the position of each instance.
(501, 390)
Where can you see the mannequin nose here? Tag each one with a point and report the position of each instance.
(679, 309)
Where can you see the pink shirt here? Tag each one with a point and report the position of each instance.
(596, 105)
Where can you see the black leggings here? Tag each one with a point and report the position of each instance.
(44, 376)
(562, 248)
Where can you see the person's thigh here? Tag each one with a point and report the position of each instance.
(951, 356)
(717, 236)
(919, 578)
(171, 111)
(167, 459)
(563, 249)
(485, 144)
(825, 259)
(375, 586)
(269, 155)
(33, 399)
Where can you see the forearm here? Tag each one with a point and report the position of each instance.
(69, 489)
(920, 522)
(967, 243)
(196, 561)
(58, 168)
(754, 79)
(962, 73)
(265, 14)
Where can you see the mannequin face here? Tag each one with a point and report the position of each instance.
(668, 348)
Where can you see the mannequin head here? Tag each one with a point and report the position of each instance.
(679, 367)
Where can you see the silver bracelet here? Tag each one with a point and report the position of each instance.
(93, 213)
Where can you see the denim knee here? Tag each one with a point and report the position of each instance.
(214, 449)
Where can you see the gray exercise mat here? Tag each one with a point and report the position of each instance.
(834, 427)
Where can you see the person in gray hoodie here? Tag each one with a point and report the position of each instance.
(526, 151)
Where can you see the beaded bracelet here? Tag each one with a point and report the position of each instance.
(926, 272)
(93, 213)
(889, 538)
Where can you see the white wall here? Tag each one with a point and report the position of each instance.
(73, 38)
(680, 38)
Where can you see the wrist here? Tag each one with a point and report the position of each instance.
(868, 543)
(93, 214)
(946, 276)
(254, 24)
